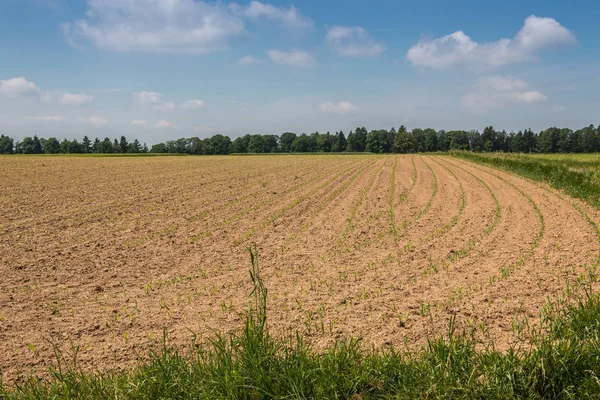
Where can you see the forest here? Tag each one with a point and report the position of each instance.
(401, 140)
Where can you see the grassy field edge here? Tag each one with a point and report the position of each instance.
(576, 175)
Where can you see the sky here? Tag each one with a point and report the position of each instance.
(157, 70)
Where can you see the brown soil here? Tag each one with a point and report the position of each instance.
(106, 253)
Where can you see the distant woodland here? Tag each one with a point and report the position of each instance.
(401, 140)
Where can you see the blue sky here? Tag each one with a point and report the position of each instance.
(161, 69)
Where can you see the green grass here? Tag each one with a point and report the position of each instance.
(576, 174)
(560, 361)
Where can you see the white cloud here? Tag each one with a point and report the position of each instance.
(458, 49)
(165, 124)
(146, 97)
(18, 87)
(94, 120)
(77, 99)
(165, 106)
(497, 91)
(249, 60)
(531, 96)
(353, 41)
(343, 107)
(49, 118)
(155, 26)
(193, 104)
(295, 58)
(139, 122)
(502, 83)
(289, 17)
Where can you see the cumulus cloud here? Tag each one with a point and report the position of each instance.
(502, 83)
(497, 91)
(295, 58)
(155, 26)
(146, 97)
(193, 104)
(353, 41)
(75, 98)
(49, 118)
(139, 122)
(343, 107)
(95, 120)
(18, 87)
(164, 106)
(165, 124)
(249, 60)
(287, 16)
(458, 49)
(531, 96)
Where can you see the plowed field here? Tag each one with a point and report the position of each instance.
(103, 254)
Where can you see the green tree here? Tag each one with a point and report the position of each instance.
(302, 144)
(240, 144)
(86, 145)
(589, 140)
(123, 145)
(459, 140)
(372, 144)
(134, 147)
(356, 141)
(105, 146)
(339, 143)
(324, 142)
(52, 146)
(221, 144)
(565, 142)
(515, 142)
(37, 145)
(475, 141)
(286, 141)
(70, 146)
(404, 143)
(431, 138)
(195, 146)
(95, 145)
(443, 142)
(548, 140)
(488, 137)
(159, 148)
(7, 145)
(257, 144)
(27, 146)
(418, 139)
(529, 143)
(271, 143)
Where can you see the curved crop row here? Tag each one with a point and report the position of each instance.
(288, 207)
(338, 192)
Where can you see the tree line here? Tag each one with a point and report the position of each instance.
(551, 140)
(35, 145)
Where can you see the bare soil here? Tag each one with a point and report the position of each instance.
(100, 256)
